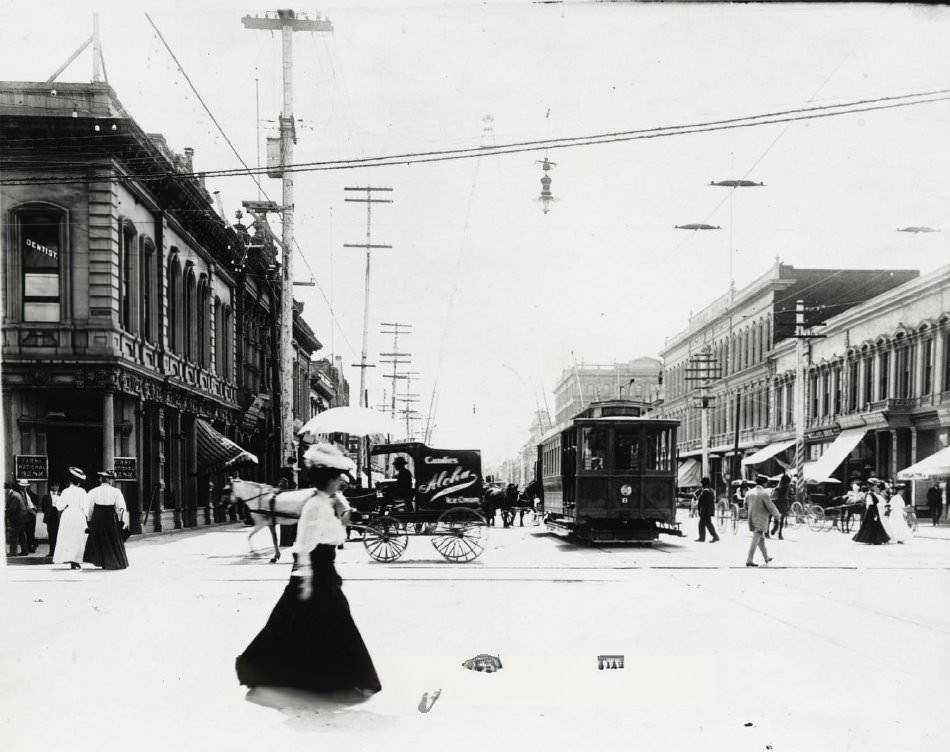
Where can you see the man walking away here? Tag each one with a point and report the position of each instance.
(706, 506)
(15, 520)
(29, 526)
(935, 502)
(51, 515)
(759, 507)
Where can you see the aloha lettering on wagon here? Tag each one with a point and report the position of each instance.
(46, 250)
(445, 482)
(442, 460)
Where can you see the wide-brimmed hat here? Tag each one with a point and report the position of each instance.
(875, 481)
(327, 455)
(22, 482)
(762, 479)
(77, 473)
(106, 474)
(399, 461)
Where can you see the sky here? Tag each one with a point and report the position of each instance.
(501, 296)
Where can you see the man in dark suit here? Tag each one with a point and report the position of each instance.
(935, 502)
(30, 522)
(16, 514)
(706, 506)
(51, 516)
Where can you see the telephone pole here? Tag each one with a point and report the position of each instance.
(397, 357)
(703, 367)
(368, 246)
(287, 22)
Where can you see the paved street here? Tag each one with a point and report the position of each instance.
(836, 646)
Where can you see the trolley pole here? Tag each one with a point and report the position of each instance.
(287, 22)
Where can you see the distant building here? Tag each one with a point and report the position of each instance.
(578, 386)
(735, 341)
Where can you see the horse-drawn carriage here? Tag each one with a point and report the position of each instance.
(444, 503)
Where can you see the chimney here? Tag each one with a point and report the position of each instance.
(189, 159)
(219, 205)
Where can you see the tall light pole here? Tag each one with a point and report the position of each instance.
(287, 22)
(701, 368)
(733, 185)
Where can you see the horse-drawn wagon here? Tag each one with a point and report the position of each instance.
(444, 503)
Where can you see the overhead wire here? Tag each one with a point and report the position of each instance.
(248, 170)
(786, 116)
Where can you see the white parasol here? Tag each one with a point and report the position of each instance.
(355, 421)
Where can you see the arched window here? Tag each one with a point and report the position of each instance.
(202, 324)
(189, 298)
(218, 338)
(174, 305)
(149, 311)
(127, 276)
(226, 344)
(37, 271)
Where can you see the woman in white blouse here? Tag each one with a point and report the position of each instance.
(73, 508)
(310, 640)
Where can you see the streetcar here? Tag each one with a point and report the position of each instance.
(609, 474)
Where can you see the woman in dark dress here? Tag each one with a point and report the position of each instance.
(871, 530)
(107, 513)
(310, 640)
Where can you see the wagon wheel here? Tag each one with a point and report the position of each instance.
(464, 534)
(385, 540)
(816, 518)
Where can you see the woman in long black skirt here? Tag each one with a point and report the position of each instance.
(871, 530)
(104, 546)
(310, 640)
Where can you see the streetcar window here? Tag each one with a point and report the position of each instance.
(594, 448)
(627, 449)
(659, 447)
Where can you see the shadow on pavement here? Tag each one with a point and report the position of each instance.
(331, 711)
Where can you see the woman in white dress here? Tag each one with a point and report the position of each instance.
(72, 506)
(895, 523)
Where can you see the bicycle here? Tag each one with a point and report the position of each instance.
(811, 514)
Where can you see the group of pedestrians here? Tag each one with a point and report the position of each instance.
(883, 520)
(83, 527)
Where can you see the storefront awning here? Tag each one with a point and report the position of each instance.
(937, 465)
(689, 473)
(216, 451)
(767, 452)
(834, 455)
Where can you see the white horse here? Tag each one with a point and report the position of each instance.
(269, 506)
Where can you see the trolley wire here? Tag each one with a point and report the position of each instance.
(422, 157)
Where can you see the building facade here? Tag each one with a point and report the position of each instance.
(724, 362)
(577, 387)
(137, 328)
(877, 384)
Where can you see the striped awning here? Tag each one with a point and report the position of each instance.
(216, 451)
